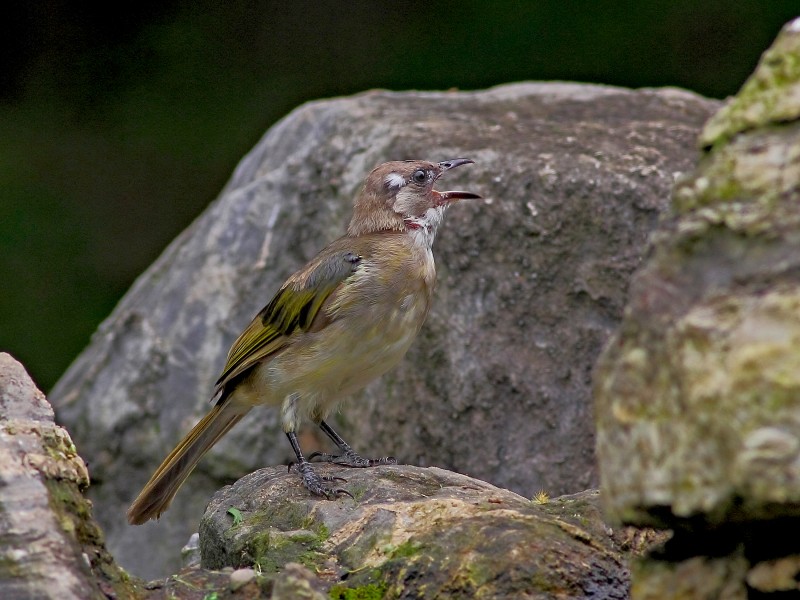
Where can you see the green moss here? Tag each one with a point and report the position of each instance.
(358, 491)
(270, 539)
(9, 568)
(271, 550)
(764, 98)
(74, 514)
(478, 573)
(291, 516)
(371, 591)
(323, 532)
(283, 517)
(405, 550)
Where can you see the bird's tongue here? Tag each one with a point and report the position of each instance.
(448, 197)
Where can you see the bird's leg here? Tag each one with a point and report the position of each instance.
(314, 483)
(348, 456)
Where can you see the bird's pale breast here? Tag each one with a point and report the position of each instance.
(375, 320)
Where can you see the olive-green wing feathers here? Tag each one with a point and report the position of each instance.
(295, 307)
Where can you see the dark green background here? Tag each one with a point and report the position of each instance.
(119, 124)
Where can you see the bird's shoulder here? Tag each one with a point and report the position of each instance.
(298, 305)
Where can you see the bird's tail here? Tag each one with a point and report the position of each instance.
(156, 496)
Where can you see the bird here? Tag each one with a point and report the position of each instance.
(344, 319)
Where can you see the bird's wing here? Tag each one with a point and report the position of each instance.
(295, 307)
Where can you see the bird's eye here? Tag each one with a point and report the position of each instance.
(419, 176)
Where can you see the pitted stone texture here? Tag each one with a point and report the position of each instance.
(420, 533)
(532, 281)
(698, 395)
(50, 547)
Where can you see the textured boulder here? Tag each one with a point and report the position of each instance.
(417, 532)
(532, 281)
(698, 395)
(50, 547)
(293, 582)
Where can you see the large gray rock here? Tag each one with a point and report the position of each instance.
(50, 547)
(532, 281)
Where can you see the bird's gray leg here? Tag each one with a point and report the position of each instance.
(348, 456)
(314, 483)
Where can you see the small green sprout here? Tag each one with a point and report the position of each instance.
(237, 516)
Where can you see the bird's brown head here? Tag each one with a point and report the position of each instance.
(399, 195)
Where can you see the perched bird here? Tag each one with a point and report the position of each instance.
(342, 320)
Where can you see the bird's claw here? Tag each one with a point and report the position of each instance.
(343, 492)
(316, 484)
(333, 478)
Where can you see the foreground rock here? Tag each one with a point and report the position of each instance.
(698, 396)
(409, 532)
(531, 284)
(419, 533)
(50, 547)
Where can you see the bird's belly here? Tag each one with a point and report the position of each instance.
(321, 368)
(375, 351)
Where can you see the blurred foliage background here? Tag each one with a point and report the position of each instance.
(120, 122)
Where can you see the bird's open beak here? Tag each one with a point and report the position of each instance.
(448, 197)
(445, 165)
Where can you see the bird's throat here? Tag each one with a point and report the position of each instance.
(423, 229)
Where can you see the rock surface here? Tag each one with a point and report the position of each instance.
(416, 532)
(49, 545)
(532, 281)
(409, 532)
(698, 395)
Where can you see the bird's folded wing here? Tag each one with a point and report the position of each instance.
(296, 307)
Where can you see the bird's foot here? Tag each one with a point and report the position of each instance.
(316, 484)
(293, 464)
(350, 459)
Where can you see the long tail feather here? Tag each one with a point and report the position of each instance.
(156, 496)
